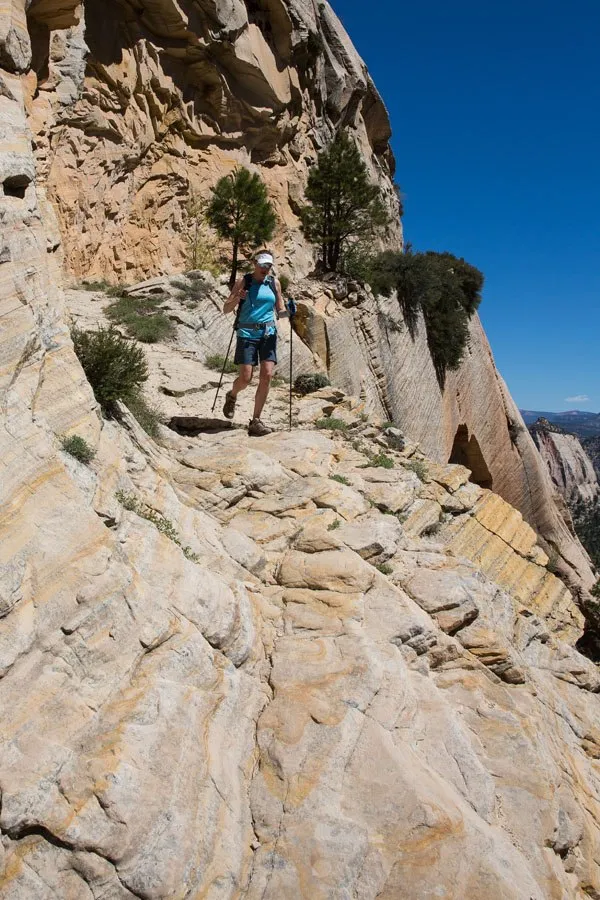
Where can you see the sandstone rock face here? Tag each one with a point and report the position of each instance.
(571, 469)
(136, 117)
(368, 350)
(265, 668)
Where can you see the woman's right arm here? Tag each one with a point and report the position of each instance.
(238, 293)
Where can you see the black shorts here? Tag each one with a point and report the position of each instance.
(249, 352)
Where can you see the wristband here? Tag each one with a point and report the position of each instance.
(282, 314)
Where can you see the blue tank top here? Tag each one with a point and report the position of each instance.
(258, 307)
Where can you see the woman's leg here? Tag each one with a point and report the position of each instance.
(242, 381)
(264, 383)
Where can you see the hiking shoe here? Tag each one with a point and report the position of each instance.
(256, 428)
(229, 405)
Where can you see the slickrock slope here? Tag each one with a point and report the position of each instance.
(571, 469)
(370, 351)
(137, 113)
(268, 714)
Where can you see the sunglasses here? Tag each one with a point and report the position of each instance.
(266, 266)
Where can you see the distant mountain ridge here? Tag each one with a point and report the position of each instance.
(582, 423)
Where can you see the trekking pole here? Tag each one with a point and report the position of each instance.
(292, 309)
(235, 325)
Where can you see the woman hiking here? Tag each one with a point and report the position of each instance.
(258, 299)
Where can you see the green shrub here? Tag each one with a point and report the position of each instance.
(382, 461)
(331, 424)
(78, 447)
(341, 479)
(160, 522)
(335, 524)
(357, 262)
(278, 381)
(595, 591)
(446, 289)
(384, 568)
(307, 384)
(115, 290)
(114, 366)
(145, 412)
(216, 361)
(94, 286)
(141, 318)
(314, 47)
(418, 467)
(552, 564)
(284, 281)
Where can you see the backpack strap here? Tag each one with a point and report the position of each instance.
(247, 286)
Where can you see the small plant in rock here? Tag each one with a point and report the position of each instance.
(387, 424)
(141, 318)
(216, 362)
(94, 286)
(595, 591)
(382, 461)
(432, 529)
(278, 381)
(114, 366)
(514, 430)
(364, 417)
(384, 568)
(284, 282)
(329, 423)
(341, 479)
(78, 447)
(147, 414)
(552, 564)
(307, 384)
(418, 467)
(160, 522)
(334, 525)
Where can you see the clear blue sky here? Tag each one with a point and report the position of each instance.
(496, 132)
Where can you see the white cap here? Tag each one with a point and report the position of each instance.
(264, 259)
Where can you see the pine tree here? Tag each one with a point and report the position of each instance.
(343, 206)
(240, 211)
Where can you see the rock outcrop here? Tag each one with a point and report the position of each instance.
(369, 350)
(571, 469)
(135, 117)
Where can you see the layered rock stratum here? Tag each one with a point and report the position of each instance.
(269, 668)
